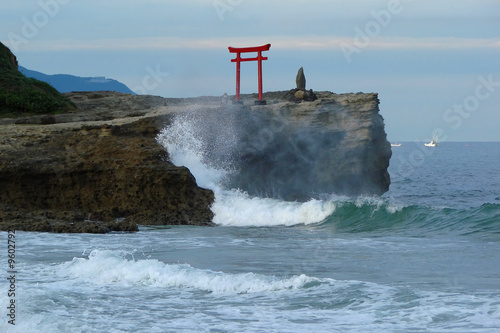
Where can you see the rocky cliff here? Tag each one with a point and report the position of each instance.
(77, 172)
(91, 162)
(335, 144)
(101, 169)
(298, 150)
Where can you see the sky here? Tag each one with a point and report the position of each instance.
(434, 63)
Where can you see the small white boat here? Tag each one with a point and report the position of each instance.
(396, 144)
(433, 143)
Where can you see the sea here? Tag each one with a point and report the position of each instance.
(423, 257)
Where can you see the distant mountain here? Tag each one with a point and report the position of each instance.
(68, 83)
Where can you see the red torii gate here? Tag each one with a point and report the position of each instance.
(238, 59)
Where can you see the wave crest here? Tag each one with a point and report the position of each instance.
(105, 267)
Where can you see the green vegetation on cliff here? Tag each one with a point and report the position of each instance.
(21, 95)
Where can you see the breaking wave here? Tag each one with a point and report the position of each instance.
(107, 267)
(235, 207)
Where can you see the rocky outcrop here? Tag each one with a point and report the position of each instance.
(90, 161)
(295, 151)
(100, 168)
(95, 176)
(8, 61)
(300, 93)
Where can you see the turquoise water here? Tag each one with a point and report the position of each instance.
(425, 257)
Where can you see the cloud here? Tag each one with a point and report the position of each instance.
(278, 42)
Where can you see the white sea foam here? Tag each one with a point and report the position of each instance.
(233, 207)
(106, 267)
(111, 291)
(237, 208)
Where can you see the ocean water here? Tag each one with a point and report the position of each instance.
(424, 257)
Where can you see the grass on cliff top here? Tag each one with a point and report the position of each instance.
(21, 96)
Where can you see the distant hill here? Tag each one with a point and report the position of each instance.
(21, 95)
(68, 83)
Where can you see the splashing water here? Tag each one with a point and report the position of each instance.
(185, 145)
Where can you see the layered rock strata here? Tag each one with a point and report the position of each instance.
(297, 151)
(100, 168)
(95, 176)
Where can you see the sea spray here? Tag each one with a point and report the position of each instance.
(210, 161)
(288, 151)
(185, 148)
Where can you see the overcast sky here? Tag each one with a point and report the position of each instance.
(434, 63)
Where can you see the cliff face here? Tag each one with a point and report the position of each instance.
(295, 151)
(101, 169)
(94, 176)
(336, 144)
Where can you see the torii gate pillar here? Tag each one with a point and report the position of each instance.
(238, 59)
